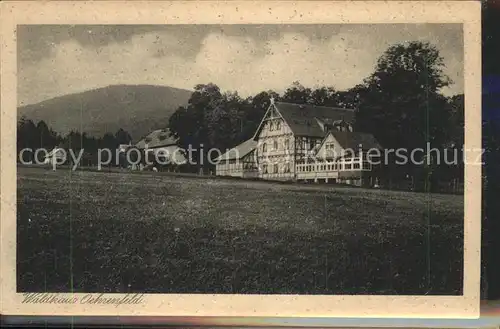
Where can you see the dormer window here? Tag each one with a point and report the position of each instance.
(278, 125)
(264, 148)
(342, 126)
(271, 126)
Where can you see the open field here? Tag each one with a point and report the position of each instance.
(111, 232)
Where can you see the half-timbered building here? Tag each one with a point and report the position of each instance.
(305, 143)
(239, 161)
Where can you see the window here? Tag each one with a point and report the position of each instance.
(275, 145)
(264, 148)
(287, 167)
(276, 168)
(278, 125)
(287, 144)
(271, 126)
(356, 165)
(347, 166)
(264, 169)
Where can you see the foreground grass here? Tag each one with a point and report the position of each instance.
(94, 232)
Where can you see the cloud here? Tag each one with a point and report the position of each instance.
(240, 62)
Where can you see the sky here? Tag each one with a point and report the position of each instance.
(54, 60)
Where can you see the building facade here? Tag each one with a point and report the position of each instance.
(304, 143)
(240, 161)
(57, 156)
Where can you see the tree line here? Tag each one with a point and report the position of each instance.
(400, 103)
(41, 136)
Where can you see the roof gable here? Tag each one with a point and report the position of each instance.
(322, 152)
(271, 111)
(349, 143)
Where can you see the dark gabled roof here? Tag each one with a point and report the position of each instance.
(157, 138)
(353, 140)
(303, 118)
(239, 151)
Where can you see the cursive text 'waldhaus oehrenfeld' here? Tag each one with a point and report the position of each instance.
(48, 298)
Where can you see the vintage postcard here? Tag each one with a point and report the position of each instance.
(243, 158)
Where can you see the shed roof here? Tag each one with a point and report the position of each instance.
(239, 151)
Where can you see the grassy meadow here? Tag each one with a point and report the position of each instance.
(158, 233)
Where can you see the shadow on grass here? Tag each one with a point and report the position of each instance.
(120, 255)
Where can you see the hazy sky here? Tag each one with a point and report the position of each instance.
(61, 59)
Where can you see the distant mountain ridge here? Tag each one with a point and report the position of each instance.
(138, 109)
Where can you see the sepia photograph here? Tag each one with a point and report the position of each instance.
(319, 159)
(190, 161)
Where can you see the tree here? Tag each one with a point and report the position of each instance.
(324, 96)
(43, 132)
(297, 94)
(26, 133)
(401, 104)
(225, 123)
(26, 138)
(191, 124)
(456, 113)
(351, 98)
(122, 137)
